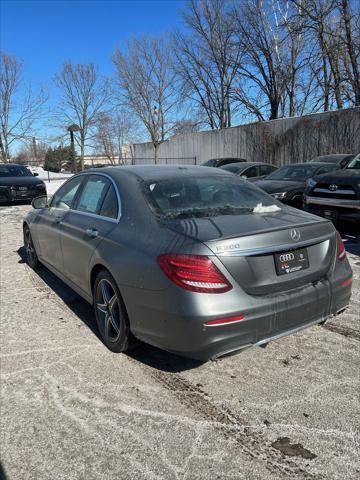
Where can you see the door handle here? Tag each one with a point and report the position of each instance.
(91, 232)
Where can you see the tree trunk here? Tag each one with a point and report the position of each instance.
(82, 150)
(156, 153)
(351, 51)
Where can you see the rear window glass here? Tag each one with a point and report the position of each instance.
(204, 197)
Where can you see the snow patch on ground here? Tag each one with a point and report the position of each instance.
(53, 185)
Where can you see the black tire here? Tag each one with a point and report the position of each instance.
(110, 313)
(31, 255)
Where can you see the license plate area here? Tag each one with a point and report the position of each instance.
(291, 262)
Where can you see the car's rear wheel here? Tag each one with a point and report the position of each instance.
(111, 317)
(31, 255)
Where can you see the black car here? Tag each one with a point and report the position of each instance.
(336, 195)
(252, 171)
(219, 162)
(288, 183)
(18, 184)
(341, 159)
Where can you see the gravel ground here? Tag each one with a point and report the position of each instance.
(70, 409)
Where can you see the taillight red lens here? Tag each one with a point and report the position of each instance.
(224, 321)
(196, 273)
(341, 253)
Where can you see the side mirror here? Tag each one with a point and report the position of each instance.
(35, 174)
(40, 202)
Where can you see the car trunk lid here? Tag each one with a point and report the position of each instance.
(247, 246)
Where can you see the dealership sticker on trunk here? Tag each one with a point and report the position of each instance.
(289, 262)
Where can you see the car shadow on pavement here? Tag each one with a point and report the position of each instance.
(80, 307)
(142, 352)
(161, 360)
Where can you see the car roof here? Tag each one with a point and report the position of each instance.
(13, 164)
(244, 165)
(335, 155)
(149, 172)
(307, 164)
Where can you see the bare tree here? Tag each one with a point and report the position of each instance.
(264, 74)
(208, 59)
(148, 86)
(32, 152)
(84, 95)
(114, 133)
(19, 106)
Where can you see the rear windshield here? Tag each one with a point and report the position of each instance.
(354, 163)
(14, 171)
(293, 172)
(204, 197)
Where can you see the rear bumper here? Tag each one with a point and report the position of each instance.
(169, 321)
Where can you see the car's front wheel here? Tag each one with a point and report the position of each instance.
(31, 255)
(110, 313)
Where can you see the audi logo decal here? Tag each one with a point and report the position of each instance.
(295, 234)
(287, 257)
(333, 187)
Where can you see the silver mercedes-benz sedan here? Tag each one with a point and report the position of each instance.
(189, 259)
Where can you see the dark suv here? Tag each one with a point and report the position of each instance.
(336, 195)
(18, 184)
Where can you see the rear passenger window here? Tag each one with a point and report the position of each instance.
(93, 194)
(110, 205)
(251, 172)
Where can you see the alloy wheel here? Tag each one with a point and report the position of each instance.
(107, 306)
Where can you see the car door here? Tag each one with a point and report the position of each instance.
(92, 218)
(48, 222)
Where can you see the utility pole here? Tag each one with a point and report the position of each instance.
(73, 128)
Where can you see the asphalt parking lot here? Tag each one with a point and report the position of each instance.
(71, 409)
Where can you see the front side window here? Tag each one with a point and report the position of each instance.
(64, 197)
(93, 194)
(251, 172)
(204, 196)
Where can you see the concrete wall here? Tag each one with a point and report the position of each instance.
(280, 141)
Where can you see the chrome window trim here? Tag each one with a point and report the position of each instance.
(95, 215)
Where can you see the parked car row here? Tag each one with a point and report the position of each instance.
(328, 185)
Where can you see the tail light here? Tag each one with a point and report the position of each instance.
(196, 273)
(341, 253)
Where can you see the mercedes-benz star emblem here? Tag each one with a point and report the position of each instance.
(333, 187)
(295, 234)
